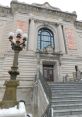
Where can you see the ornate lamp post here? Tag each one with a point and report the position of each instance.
(17, 43)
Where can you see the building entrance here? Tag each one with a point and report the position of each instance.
(48, 72)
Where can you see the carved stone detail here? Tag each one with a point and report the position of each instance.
(39, 10)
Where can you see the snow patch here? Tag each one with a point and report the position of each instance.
(15, 112)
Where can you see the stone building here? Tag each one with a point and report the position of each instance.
(54, 45)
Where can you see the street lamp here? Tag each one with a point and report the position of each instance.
(17, 40)
(17, 43)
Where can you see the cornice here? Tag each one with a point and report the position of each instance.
(78, 24)
(37, 10)
(5, 11)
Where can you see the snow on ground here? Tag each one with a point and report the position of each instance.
(14, 111)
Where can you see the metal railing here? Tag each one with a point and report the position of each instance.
(77, 76)
(47, 113)
(48, 93)
(46, 87)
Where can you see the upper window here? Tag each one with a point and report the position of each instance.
(45, 38)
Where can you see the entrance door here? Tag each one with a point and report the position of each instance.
(48, 72)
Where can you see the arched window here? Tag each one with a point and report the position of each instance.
(45, 38)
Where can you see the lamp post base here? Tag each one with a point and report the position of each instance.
(9, 99)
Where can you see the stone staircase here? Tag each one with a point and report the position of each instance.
(66, 99)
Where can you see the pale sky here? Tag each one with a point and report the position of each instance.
(64, 5)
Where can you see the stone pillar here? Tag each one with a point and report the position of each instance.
(59, 72)
(10, 97)
(32, 41)
(61, 39)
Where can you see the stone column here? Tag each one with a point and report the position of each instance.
(59, 72)
(61, 39)
(32, 41)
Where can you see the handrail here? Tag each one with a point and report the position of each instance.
(47, 113)
(46, 87)
(48, 93)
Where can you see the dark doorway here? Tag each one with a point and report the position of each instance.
(48, 72)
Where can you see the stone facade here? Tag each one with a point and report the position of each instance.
(67, 53)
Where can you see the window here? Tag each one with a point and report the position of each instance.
(45, 38)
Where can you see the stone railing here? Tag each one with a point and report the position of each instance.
(41, 97)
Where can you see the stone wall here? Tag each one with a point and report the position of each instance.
(30, 18)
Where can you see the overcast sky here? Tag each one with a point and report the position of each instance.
(65, 5)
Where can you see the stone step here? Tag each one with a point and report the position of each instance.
(67, 98)
(70, 116)
(67, 88)
(67, 112)
(65, 84)
(66, 95)
(67, 92)
(66, 106)
(66, 101)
